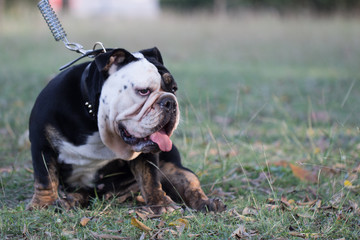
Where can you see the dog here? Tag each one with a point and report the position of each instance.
(102, 129)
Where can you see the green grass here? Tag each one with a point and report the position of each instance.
(257, 92)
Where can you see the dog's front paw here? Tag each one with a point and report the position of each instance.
(164, 205)
(213, 205)
(40, 201)
(71, 200)
(34, 204)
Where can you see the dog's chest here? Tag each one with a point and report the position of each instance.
(85, 160)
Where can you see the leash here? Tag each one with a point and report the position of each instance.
(89, 53)
(59, 34)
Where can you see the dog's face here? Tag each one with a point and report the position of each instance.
(136, 112)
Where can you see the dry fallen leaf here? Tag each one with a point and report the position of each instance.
(271, 201)
(285, 201)
(161, 224)
(67, 233)
(336, 199)
(6, 169)
(272, 206)
(192, 235)
(241, 233)
(305, 235)
(299, 172)
(309, 203)
(242, 217)
(84, 221)
(287, 204)
(303, 174)
(238, 233)
(180, 225)
(107, 236)
(139, 224)
(173, 232)
(305, 215)
(142, 215)
(318, 204)
(250, 211)
(158, 234)
(354, 207)
(218, 192)
(281, 163)
(179, 222)
(355, 189)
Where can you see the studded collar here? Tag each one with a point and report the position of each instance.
(89, 106)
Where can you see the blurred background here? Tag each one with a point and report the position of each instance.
(154, 7)
(244, 67)
(262, 83)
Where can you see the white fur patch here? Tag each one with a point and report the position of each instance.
(120, 102)
(85, 159)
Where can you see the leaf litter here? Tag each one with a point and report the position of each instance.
(175, 228)
(305, 208)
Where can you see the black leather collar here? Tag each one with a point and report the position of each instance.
(85, 92)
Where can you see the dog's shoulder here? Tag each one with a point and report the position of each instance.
(55, 106)
(63, 84)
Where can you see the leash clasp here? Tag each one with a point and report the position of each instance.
(101, 45)
(85, 53)
(76, 47)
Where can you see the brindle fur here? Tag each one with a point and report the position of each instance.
(161, 182)
(59, 116)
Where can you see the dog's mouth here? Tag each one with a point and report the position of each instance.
(158, 140)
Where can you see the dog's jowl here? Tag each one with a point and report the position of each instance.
(103, 128)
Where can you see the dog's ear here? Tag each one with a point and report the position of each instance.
(111, 61)
(152, 53)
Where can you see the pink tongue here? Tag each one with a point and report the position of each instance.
(162, 140)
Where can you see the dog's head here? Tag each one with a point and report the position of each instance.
(138, 110)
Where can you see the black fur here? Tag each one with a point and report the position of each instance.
(61, 106)
(60, 112)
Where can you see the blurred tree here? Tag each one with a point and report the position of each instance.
(2, 4)
(220, 7)
(65, 5)
(318, 6)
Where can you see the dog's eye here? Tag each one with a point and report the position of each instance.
(144, 92)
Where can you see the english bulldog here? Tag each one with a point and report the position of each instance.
(102, 129)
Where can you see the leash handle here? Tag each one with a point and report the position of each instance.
(59, 33)
(52, 20)
(56, 28)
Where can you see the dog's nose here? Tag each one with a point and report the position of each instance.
(168, 104)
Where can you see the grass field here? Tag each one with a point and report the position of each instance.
(270, 123)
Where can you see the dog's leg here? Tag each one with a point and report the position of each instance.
(183, 185)
(145, 170)
(67, 201)
(46, 179)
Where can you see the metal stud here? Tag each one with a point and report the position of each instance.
(90, 108)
